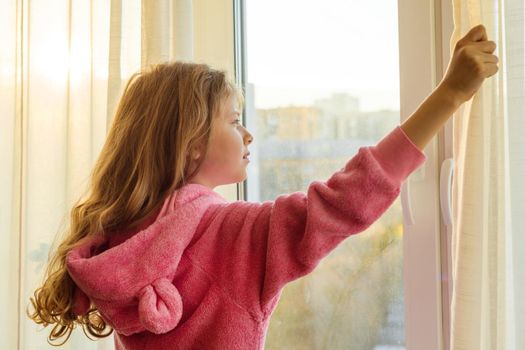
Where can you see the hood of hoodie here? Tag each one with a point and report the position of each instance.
(130, 282)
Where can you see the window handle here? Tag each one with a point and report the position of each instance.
(405, 203)
(445, 190)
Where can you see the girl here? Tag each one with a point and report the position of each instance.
(156, 255)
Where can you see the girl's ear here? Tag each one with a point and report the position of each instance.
(195, 154)
(197, 150)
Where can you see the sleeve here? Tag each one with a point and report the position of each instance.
(254, 249)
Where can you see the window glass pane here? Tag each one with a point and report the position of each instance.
(323, 80)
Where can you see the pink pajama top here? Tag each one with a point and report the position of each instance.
(205, 273)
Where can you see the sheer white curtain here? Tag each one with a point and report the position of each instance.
(488, 303)
(63, 65)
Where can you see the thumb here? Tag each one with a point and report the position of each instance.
(477, 33)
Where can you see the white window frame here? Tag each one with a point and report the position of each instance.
(425, 27)
(239, 47)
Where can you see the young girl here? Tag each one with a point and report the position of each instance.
(156, 255)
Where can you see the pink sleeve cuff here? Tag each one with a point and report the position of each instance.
(398, 155)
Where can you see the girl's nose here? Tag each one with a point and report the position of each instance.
(248, 137)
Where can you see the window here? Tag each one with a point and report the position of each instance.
(320, 83)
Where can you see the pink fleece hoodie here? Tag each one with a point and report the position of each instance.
(205, 273)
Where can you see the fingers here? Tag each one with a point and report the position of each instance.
(483, 50)
(485, 46)
(487, 58)
(491, 69)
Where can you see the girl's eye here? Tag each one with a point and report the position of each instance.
(237, 121)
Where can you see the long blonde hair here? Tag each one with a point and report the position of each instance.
(164, 113)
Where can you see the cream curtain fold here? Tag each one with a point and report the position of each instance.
(63, 66)
(488, 307)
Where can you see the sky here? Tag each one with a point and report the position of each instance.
(298, 51)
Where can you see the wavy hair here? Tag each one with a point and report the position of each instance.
(164, 113)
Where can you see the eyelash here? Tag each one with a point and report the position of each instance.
(237, 121)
